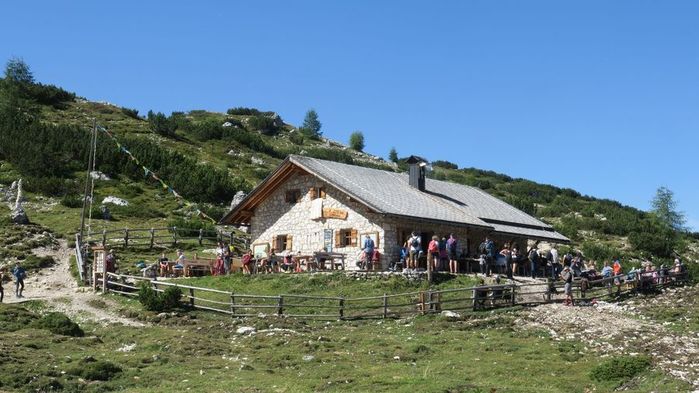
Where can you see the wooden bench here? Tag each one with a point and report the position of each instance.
(336, 259)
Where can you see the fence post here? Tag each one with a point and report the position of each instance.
(280, 305)
(385, 306)
(104, 237)
(342, 308)
(514, 301)
(232, 303)
(201, 235)
(152, 237)
(126, 238)
(104, 275)
(174, 235)
(191, 297)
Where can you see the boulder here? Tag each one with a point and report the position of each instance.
(19, 216)
(237, 198)
(97, 175)
(115, 201)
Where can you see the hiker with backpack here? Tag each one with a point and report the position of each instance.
(533, 257)
(20, 274)
(452, 247)
(433, 253)
(415, 247)
(489, 246)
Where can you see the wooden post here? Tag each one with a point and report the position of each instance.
(104, 237)
(514, 299)
(174, 235)
(104, 275)
(152, 237)
(191, 297)
(280, 305)
(385, 306)
(342, 308)
(232, 303)
(201, 235)
(126, 238)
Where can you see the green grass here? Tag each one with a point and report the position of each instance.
(202, 352)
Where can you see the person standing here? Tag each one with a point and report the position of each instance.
(567, 277)
(515, 260)
(20, 274)
(368, 249)
(164, 265)
(2, 278)
(490, 255)
(507, 253)
(227, 260)
(433, 253)
(533, 257)
(415, 244)
(452, 247)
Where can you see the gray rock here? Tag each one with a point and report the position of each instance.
(237, 198)
(19, 216)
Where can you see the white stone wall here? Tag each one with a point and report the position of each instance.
(274, 216)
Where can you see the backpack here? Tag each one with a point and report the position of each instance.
(414, 243)
(481, 248)
(533, 255)
(452, 247)
(566, 276)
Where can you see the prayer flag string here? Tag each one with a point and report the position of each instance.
(149, 173)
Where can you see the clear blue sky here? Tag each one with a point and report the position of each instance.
(599, 96)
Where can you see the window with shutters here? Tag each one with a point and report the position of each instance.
(283, 242)
(346, 238)
(293, 196)
(316, 192)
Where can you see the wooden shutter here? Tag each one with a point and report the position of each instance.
(378, 237)
(353, 238)
(322, 192)
(338, 238)
(312, 193)
(289, 239)
(275, 244)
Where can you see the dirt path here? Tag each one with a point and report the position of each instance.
(58, 289)
(618, 328)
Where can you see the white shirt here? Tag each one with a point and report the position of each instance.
(554, 254)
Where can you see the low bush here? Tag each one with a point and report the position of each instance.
(33, 262)
(59, 323)
(153, 300)
(620, 368)
(132, 113)
(95, 370)
(72, 201)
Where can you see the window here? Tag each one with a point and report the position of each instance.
(283, 242)
(292, 196)
(316, 192)
(346, 238)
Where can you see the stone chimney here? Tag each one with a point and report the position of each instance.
(416, 174)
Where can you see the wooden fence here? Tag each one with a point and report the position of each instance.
(152, 237)
(393, 305)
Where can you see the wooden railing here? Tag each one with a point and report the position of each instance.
(151, 237)
(387, 306)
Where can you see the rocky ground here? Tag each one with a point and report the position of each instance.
(624, 328)
(57, 287)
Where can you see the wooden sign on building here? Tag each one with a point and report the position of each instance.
(334, 213)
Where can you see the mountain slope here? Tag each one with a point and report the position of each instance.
(207, 157)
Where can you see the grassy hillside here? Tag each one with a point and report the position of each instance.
(207, 157)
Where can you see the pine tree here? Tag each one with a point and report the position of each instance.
(665, 208)
(356, 141)
(393, 155)
(311, 125)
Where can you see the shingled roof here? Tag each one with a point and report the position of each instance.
(389, 193)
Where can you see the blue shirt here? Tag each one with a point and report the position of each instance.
(19, 272)
(368, 246)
